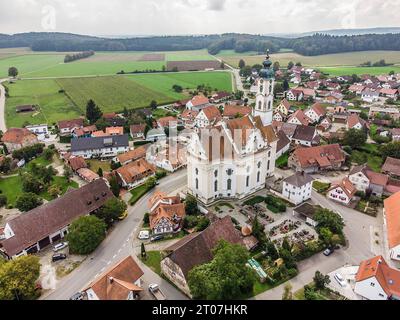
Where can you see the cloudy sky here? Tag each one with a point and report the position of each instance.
(150, 17)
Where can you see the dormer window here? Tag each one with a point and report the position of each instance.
(229, 172)
(89, 203)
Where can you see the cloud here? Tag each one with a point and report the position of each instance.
(144, 17)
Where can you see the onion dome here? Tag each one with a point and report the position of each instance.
(266, 72)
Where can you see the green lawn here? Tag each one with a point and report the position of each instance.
(160, 113)
(12, 187)
(137, 193)
(320, 186)
(53, 106)
(362, 157)
(282, 161)
(188, 55)
(153, 261)
(96, 164)
(340, 71)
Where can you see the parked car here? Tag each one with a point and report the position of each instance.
(156, 238)
(58, 257)
(328, 252)
(339, 278)
(156, 292)
(60, 246)
(144, 235)
(77, 296)
(123, 215)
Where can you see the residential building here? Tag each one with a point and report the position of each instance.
(134, 173)
(167, 122)
(283, 144)
(188, 117)
(132, 155)
(283, 107)
(391, 167)
(395, 134)
(170, 157)
(391, 216)
(355, 122)
(122, 281)
(232, 111)
(306, 136)
(87, 175)
(40, 130)
(376, 280)
(363, 178)
(196, 249)
(299, 118)
(307, 212)
(114, 131)
(280, 117)
(197, 103)
(84, 132)
(231, 160)
(34, 230)
(325, 125)
(76, 163)
(67, 127)
(315, 159)
(137, 131)
(390, 93)
(18, 138)
(220, 96)
(166, 214)
(208, 116)
(315, 113)
(369, 96)
(294, 95)
(100, 147)
(342, 192)
(393, 112)
(297, 188)
(154, 135)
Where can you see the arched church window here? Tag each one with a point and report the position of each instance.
(258, 176)
(259, 165)
(247, 181)
(216, 173)
(197, 183)
(215, 185)
(229, 172)
(197, 171)
(229, 184)
(269, 105)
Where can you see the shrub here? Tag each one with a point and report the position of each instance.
(3, 201)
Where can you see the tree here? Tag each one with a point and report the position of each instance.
(114, 186)
(271, 250)
(285, 85)
(242, 64)
(391, 149)
(85, 234)
(330, 220)
(258, 231)
(68, 174)
(100, 172)
(31, 183)
(28, 201)
(298, 64)
(151, 182)
(93, 112)
(48, 154)
(225, 277)
(12, 72)
(355, 138)
(143, 251)
(111, 210)
(54, 191)
(18, 278)
(287, 293)
(321, 281)
(290, 65)
(191, 207)
(276, 66)
(245, 71)
(3, 200)
(153, 104)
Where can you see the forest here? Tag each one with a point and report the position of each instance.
(316, 44)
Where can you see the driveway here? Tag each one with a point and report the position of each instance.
(119, 244)
(3, 126)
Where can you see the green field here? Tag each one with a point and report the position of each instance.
(340, 71)
(54, 106)
(188, 55)
(327, 60)
(110, 93)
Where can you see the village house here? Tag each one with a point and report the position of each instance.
(188, 117)
(369, 96)
(100, 147)
(137, 131)
(132, 155)
(208, 116)
(278, 117)
(297, 188)
(288, 129)
(294, 95)
(283, 144)
(283, 107)
(307, 211)
(155, 135)
(390, 93)
(306, 136)
(357, 88)
(84, 132)
(325, 125)
(40, 130)
(121, 281)
(76, 163)
(315, 159)
(166, 214)
(299, 118)
(34, 230)
(342, 192)
(114, 131)
(392, 112)
(391, 216)
(363, 178)
(18, 138)
(167, 122)
(395, 132)
(134, 173)
(87, 175)
(67, 127)
(168, 157)
(355, 122)
(315, 113)
(198, 103)
(220, 96)
(232, 111)
(376, 280)
(196, 249)
(98, 134)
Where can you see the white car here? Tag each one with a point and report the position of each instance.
(60, 246)
(144, 235)
(339, 278)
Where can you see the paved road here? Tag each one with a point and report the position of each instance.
(118, 244)
(3, 126)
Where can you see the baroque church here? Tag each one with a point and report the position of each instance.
(233, 158)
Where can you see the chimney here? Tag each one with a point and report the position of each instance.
(111, 279)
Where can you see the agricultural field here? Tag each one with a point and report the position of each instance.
(340, 71)
(328, 60)
(51, 64)
(53, 106)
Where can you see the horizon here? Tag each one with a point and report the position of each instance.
(195, 17)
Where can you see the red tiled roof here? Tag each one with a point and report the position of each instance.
(165, 121)
(300, 115)
(18, 136)
(392, 166)
(392, 214)
(65, 124)
(324, 155)
(77, 163)
(114, 131)
(346, 185)
(199, 100)
(212, 113)
(231, 110)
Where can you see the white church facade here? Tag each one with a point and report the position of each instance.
(233, 159)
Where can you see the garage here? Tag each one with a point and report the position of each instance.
(56, 238)
(44, 242)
